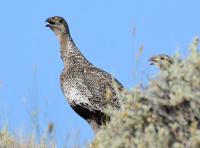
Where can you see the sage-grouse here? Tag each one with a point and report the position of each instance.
(162, 61)
(88, 89)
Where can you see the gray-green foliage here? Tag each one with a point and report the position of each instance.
(164, 114)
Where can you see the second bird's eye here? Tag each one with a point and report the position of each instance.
(60, 21)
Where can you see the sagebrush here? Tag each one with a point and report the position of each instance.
(164, 114)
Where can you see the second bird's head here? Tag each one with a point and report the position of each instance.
(162, 61)
(58, 25)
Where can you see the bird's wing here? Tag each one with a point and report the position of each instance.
(103, 87)
(90, 87)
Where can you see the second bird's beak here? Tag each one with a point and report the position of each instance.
(152, 61)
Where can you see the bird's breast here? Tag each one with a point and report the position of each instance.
(74, 95)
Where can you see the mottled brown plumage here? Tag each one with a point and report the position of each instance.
(88, 89)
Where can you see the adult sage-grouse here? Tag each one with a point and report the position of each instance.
(88, 89)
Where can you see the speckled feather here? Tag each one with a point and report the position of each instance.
(87, 88)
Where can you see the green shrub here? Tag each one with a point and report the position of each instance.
(164, 114)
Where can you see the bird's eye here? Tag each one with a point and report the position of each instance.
(162, 58)
(61, 21)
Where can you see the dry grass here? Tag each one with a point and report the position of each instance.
(11, 140)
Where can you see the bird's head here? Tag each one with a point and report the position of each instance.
(58, 25)
(163, 61)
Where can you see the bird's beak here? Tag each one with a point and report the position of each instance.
(47, 21)
(152, 61)
(47, 25)
(50, 23)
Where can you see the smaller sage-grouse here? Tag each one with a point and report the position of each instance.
(162, 61)
(88, 89)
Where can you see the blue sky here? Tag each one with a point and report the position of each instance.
(108, 33)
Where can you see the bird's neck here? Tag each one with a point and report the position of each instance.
(69, 52)
(67, 44)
